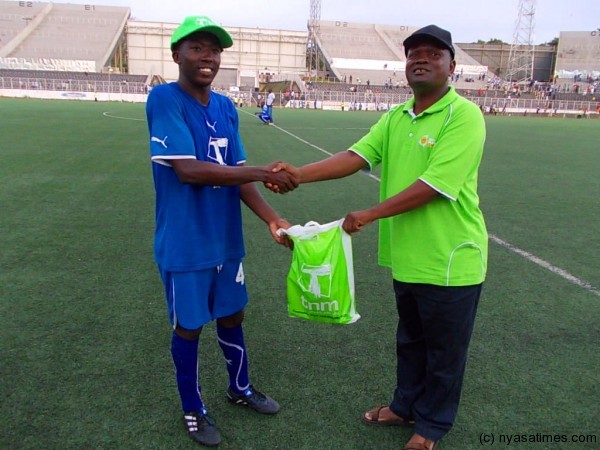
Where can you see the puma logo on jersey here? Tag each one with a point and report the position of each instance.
(213, 126)
(160, 141)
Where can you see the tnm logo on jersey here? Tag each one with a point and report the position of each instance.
(217, 150)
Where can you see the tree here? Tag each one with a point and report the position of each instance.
(491, 41)
(553, 42)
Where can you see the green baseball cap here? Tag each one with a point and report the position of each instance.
(193, 24)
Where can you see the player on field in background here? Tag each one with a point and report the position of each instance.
(200, 181)
(263, 115)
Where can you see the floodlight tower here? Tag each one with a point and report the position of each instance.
(314, 28)
(522, 51)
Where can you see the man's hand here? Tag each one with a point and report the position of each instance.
(356, 221)
(283, 239)
(280, 167)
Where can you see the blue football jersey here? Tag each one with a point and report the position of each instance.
(197, 226)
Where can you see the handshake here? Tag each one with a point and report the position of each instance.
(281, 177)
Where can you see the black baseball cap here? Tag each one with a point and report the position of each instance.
(430, 31)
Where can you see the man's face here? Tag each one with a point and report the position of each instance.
(199, 59)
(428, 64)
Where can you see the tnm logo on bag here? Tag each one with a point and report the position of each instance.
(316, 280)
(320, 306)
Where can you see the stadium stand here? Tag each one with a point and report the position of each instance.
(374, 53)
(16, 21)
(60, 50)
(58, 31)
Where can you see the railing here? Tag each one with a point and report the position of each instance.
(324, 99)
(382, 101)
(114, 86)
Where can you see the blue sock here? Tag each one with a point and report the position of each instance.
(232, 343)
(185, 357)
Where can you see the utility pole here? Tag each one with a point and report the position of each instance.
(314, 28)
(522, 51)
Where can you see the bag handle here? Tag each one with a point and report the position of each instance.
(312, 223)
(308, 230)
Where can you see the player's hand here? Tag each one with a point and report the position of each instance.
(356, 221)
(282, 239)
(283, 177)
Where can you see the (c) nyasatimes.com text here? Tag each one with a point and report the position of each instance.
(489, 439)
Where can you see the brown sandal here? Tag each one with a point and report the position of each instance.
(375, 420)
(419, 446)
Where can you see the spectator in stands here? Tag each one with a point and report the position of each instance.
(195, 147)
(270, 101)
(432, 233)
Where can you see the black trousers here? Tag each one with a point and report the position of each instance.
(435, 324)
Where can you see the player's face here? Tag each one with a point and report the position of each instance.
(199, 59)
(428, 65)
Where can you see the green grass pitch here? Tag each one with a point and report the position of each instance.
(85, 336)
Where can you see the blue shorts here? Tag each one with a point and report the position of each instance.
(196, 298)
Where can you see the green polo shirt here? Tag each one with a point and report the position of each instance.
(445, 241)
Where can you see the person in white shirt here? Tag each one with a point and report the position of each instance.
(270, 101)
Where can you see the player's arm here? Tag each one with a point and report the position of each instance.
(192, 171)
(253, 199)
(413, 197)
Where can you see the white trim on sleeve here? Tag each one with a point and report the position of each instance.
(163, 159)
(366, 160)
(436, 189)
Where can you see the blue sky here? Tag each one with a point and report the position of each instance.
(468, 20)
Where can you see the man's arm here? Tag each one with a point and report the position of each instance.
(337, 166)
(192, 171)
(255, 201)
(413, 197)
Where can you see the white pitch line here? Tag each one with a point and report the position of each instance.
(546, 265)
(534, 259)
(108, 114)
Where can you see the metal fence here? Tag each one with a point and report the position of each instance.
(315, 98)
(49, 84)
(382, 101)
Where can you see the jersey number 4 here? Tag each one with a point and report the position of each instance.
(239, 278)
